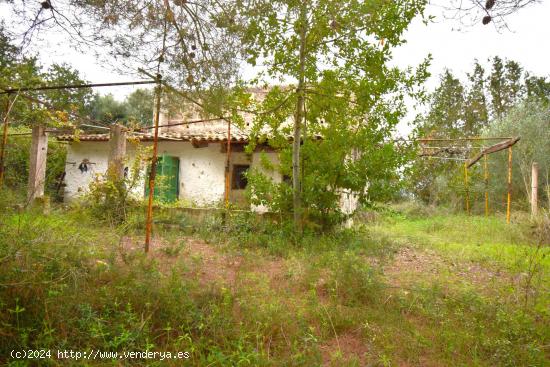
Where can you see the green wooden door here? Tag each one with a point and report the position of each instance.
(167, 180)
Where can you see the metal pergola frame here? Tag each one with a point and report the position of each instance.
(504, 143)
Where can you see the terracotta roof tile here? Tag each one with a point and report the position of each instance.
(210, 136)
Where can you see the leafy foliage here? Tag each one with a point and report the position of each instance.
(135, 110)
(18, 70)
(477, 107)
(17, 164)
(110, 197)
(531, 121)
(338, 52)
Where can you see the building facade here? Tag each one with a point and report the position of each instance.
(191, 169)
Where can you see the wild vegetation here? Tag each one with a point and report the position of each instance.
(406, 286)
(507, 101)
(338, 53)
(408, 279)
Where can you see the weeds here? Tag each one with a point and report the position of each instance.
(322, 299)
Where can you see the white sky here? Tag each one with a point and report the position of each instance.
(527, 42)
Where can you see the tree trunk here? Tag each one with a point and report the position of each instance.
(534, 188)
(298, 119)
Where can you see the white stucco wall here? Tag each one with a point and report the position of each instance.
(77, 182)
(202, 170)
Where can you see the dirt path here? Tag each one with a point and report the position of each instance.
(346, 348)
(422, 267)
(410, 264)
(208, 263)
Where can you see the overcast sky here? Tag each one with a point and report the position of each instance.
(527, 42)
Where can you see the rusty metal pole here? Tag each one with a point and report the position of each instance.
(228, 166)
(509, 198)
(4, 141)
(467, 191)
(153, 173)
(486, 181)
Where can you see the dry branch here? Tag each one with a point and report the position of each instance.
(493, 149)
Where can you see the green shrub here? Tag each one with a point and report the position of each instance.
(348, 278)
(63, 285)
(529, 120)
(17, 164)
(110, 197)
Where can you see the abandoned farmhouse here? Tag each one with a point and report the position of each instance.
(197, 166)
(191, 168)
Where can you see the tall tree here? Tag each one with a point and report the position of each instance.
(476, 115)
(333, 51)
(75, 100)
(537, 88)
(107, 109)
(514, 83)
(506, 85)
(497, 86)
(446, 115)
(8, 53)
(139, 107)
(17, 70)
(446, 118)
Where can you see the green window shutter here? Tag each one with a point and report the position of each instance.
(170, 171)
(167, 180)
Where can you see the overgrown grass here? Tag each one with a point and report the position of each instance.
(67, 282)
(63, 286)
(488, 240)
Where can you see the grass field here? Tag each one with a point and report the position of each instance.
(396, 290)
